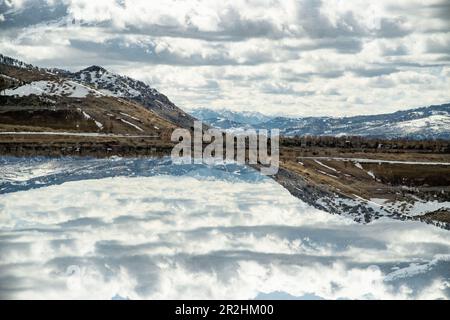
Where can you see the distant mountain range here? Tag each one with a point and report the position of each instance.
(227, 119)
(431, 122)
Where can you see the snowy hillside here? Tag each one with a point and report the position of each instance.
(110, 83)
(124, 87)
(93, 80)
(92, 101)
(52, 88)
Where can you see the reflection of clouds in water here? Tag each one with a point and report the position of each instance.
(178, 237)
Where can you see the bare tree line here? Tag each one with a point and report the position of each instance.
(357, 142)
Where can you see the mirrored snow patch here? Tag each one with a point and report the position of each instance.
(18, 174)
(200, 232)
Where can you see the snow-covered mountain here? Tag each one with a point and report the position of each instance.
(93, 80)
(111, 84)
(124, 87)
(431, 122)
(92, 102)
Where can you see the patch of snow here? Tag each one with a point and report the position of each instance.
(417, 208)
(358, 161)
(109, 83)
(24, 172)
(80, 87)
(325, 166)
(131, 124)
(37, 88)
(77, 134)
(358, 165)
(98, 124)
(8, 77)
(327, 174)
(415, 269)
(373, 203)
(88, 117)
(434, 122)
(159, 102)
(379, 201)
(129, 116)
(66, 88)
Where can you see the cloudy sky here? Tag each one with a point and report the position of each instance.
(293, 57)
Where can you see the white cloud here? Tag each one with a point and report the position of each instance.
(241, 46)
(14, 3)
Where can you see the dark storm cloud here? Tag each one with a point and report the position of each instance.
(339, 44)
(442, 10)
(435, 46)
(437, 10)
(32, 13)
(290, 76)
(279, 88)
(237, 27)
(239, 30)
(397, 50)
(121, 50)
(374, 72)
(317, 25)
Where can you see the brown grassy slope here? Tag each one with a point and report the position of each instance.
(442, 215)
(26, 75)
(33, 113)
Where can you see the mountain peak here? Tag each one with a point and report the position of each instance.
(94, 68)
